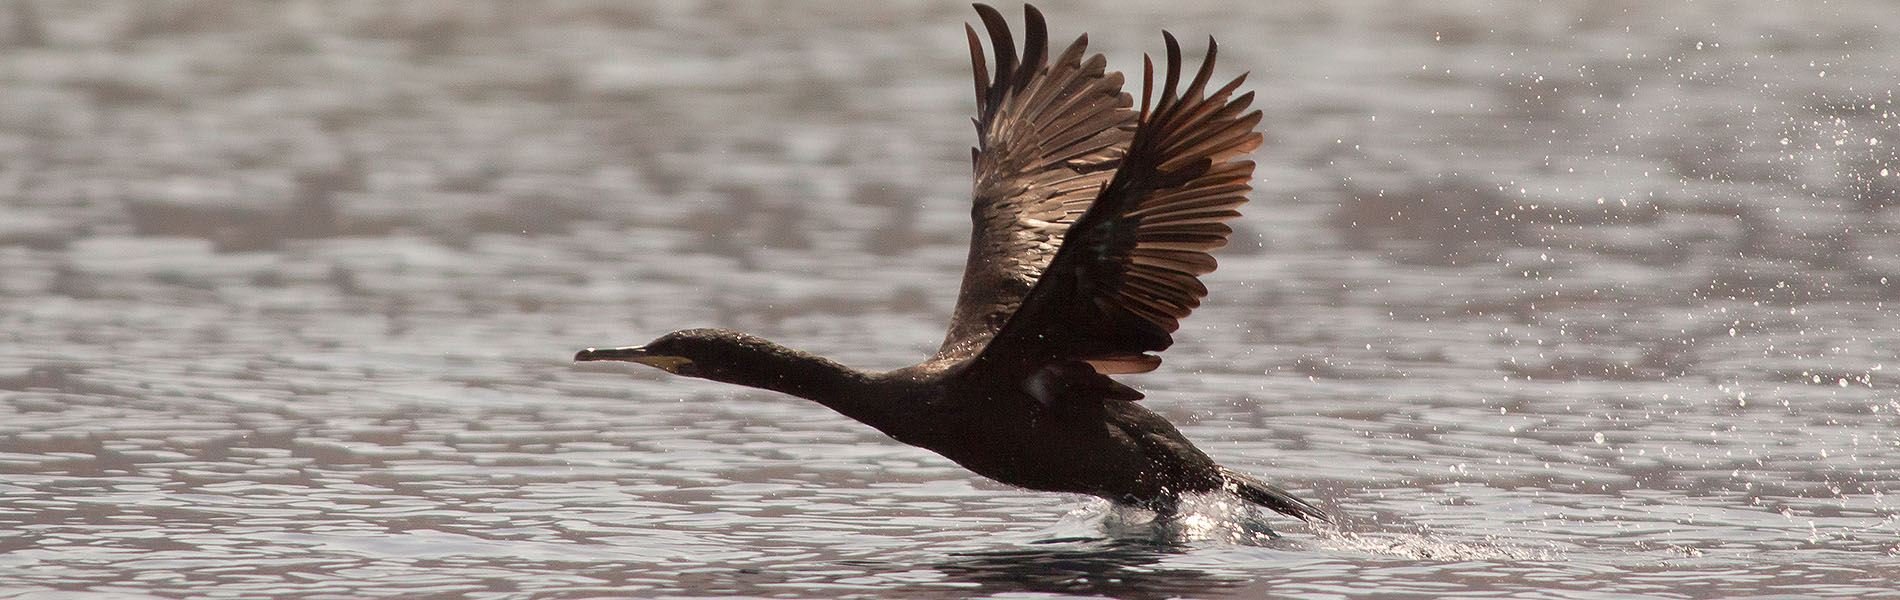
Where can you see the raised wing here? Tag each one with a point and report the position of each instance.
(1128, 271)
(1050, 135)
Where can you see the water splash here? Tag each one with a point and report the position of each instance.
(1218, 518)
(1428, 546)
(1212, 517)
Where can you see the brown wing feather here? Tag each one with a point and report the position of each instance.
(1128, 271)
(1050, 134)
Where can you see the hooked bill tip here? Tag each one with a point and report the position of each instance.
(602, 354)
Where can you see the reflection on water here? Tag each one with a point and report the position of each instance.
(1127, 570)
(1564, 301)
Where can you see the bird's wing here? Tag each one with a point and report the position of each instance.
(1050, 134)
(1127, 271)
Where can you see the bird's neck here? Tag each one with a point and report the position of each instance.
(812, 377)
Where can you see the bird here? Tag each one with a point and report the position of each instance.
(1092, 223)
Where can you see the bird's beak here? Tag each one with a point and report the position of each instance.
(636, 354)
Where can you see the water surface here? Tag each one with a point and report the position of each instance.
(1546, 300)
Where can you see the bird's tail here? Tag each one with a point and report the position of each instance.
(1271, 496)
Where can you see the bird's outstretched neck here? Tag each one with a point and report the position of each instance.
(850, 392)
(737, 358)
(770, 366)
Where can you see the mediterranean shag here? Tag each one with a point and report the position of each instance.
(1093, 221)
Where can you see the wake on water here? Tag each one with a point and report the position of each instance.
(1221, 518)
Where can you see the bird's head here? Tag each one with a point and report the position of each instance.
(704, 353)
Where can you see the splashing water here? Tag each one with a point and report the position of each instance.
(1220, 518)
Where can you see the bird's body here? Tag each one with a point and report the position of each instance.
(1091, 224)
(1132, 454)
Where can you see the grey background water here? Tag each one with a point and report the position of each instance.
(1547, 299)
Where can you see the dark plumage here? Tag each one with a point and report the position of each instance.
(1092, 223)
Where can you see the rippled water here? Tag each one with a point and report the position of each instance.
(1546, 300)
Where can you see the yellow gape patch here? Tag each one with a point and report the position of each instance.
(670, 364)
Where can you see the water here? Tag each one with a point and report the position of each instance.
(1546, 300)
